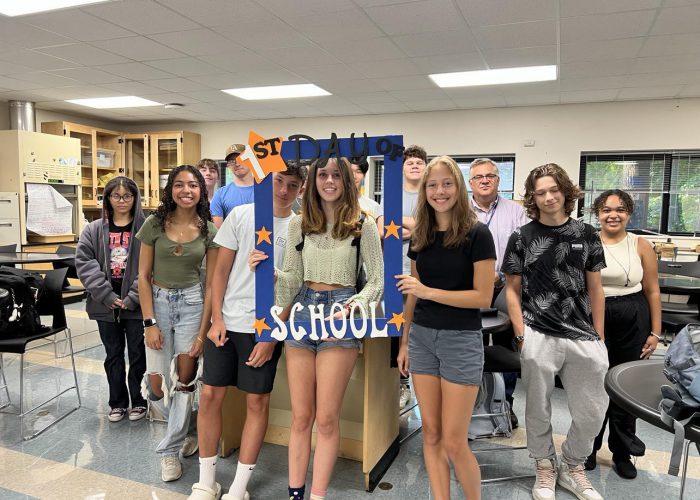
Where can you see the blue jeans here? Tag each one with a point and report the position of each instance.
(178, 313)
(306, 297)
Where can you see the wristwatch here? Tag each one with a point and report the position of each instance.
(517, 341)
(149, 322)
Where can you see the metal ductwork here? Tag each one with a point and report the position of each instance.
(22, 115)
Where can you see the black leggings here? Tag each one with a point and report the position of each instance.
(627, 326)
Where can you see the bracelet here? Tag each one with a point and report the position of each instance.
(652, 334)
(198, 338)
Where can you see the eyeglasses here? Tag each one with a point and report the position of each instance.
(116, 198)
(488, 177)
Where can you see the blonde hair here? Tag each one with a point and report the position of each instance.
(347, 210)
(463, 218)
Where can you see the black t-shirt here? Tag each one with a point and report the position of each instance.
(119, 241)
(552, 261)
(451, 269)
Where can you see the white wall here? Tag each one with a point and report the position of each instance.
(560, 132)
(4, 115)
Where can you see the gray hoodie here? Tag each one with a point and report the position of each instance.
(92, 261)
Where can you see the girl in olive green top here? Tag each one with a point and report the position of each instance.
(176, 311)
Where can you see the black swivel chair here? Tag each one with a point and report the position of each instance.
(50, 304)
(636, 387)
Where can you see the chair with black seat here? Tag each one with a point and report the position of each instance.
(636, 388)
(50, 304)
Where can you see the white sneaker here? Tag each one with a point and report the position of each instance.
(202, 492)
(574, 479)
(545, 480)
(190, 446)
(228, 496)
(170, 468)
(404, 396)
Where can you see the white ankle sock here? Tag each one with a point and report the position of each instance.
(240, 482)
(207, 471)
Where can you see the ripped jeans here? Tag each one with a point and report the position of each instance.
(178, 312)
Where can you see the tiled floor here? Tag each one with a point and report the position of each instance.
(86, 457)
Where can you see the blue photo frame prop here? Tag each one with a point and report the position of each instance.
(304, 147)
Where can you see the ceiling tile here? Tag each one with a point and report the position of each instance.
(437, 43)
(597, 83)
(363, 49)
(138, 48)
(198, 42)
(132, 88)
(600, 50)
(136, 71)
(408, 96)
(224, 80)
(77, 92)
(7, 68)
(82, 53)
(14, 84)
(335, 26)
(230, 61)
(405, 83)
(45, 79)
(271, 33)
(165, 97)
(36, 60)
(16, 33)
(571, 8)
(613, 67)
(589, 96)
(526, 56)
(666, 63)
(76, 24)
(417, 17)
(606, 26)
(219, 12)
(178, 84)
(367, 98)
(482, 101)
(387, 107)
(516, 35)
(291, 57)
(531, 99)
(88, 75)
(480, 13)
(665, 92)
(677, 20)
(144, 17)
(662, 78)
(431, 105)
(690, 91)
(666, 45)
(185, 66)
(450, 63)
(350, 85)
(311, 8)
(385, 69)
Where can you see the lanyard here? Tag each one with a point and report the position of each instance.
(492, 213)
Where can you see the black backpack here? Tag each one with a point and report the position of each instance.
(20, 291)
(361, 280)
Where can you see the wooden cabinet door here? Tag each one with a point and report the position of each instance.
(135, 152)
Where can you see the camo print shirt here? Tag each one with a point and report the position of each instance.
(552, 262)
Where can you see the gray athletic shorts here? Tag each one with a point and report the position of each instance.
(454, 355)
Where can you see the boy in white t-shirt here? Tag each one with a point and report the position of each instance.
(233, 357)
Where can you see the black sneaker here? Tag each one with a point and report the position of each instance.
(625, 469)
(591, 462)
(117, 414)
(137, 413)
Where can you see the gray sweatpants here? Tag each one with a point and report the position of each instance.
(581, 365)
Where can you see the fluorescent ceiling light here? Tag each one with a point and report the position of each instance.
(495, 76)
(21, 7)
(277, 92)
(129, 101)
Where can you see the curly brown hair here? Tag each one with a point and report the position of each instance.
(572, 192)
(415, 152)
(625, 199)
(167, 203)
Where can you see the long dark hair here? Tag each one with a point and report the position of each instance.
(113, 184)
(167, 203)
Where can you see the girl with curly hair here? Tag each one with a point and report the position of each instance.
(176, 311)
(452, 261)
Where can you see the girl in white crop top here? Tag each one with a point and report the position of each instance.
(321, 267)
(632, 315)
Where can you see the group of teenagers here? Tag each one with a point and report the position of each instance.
(176, 289)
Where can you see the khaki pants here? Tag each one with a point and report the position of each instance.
(581, 365)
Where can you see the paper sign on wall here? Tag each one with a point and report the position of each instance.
(48, 212)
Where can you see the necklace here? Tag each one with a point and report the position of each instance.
(629, 262)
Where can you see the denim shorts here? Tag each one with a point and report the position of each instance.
(178, 313)
(307, 296)
(454, 355)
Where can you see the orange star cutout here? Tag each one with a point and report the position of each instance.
(397, 320)
(392, 230)
(263, 157)
(260, 326)
(263, 235)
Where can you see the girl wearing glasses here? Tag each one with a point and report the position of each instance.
(176, 311)
(632, 316)
(452, 261)
(107, 261)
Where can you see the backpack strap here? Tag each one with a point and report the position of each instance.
(300, 246)
(356, 244)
